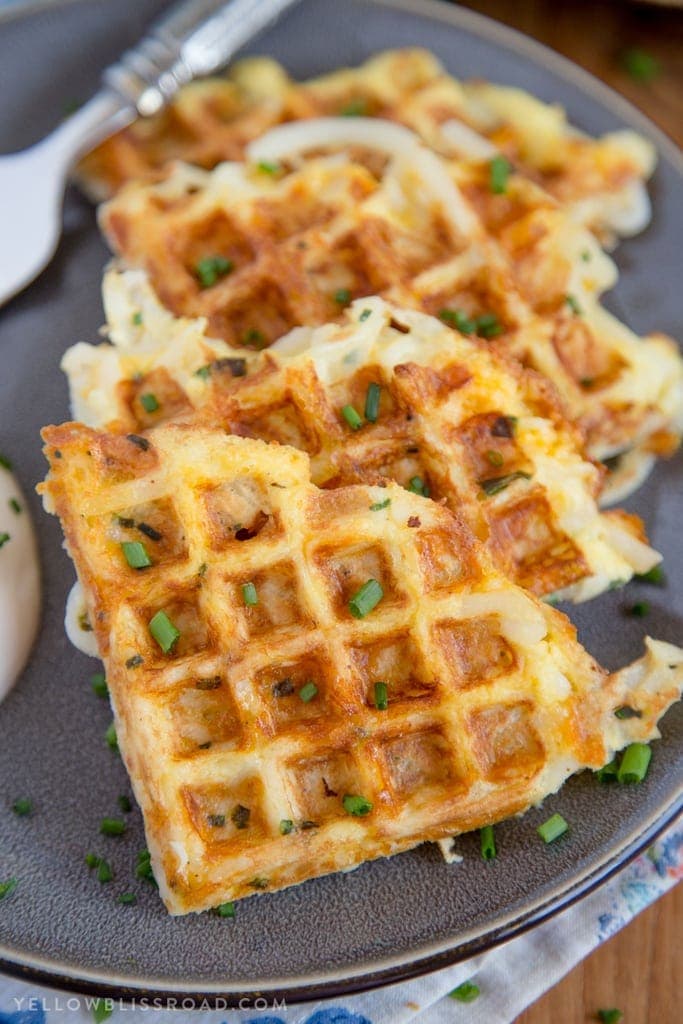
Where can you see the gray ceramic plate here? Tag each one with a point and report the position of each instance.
(392, 918)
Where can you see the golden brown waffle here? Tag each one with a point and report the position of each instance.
(245, 689)
(299, 245)
(453, 419)
(599, 181)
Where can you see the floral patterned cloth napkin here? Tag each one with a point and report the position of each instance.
(496, 986)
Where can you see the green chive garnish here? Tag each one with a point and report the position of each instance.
(204, 372)
(655, 576)
(495, 458)
(249, 595)
(286, 826)
(253, 338)
(612, 1016)
(143, 868)
(92, 860)
(499, 483)
(640, 65)
(308, 691)
(573, 304)
(259, 883)
(98, 683)
(110, 737)
(136, 319)
(4, 537)
(112, 827)
(634, 764)
(224, 910)
(355, 108)
(358, 806)
(211, 268)
(352, 417)
(15, 506)
(499, 172)
(553, 828)
(149, 402)
(372, 402)
(268, 167)
(367, 598)
(102, 1010)
(608, 772)
(342, 296)
(626, 711)
(104, 871)
(8, 887)
(639, 610)
(22, 807)
(459, 319)
(364, 315)
(379, 505)
(416, 485)
(5, 462)
(127, 898)
(135, 553)
(465, 993)
(381, 696)
(488, 326)
(124, 803)
(163, 631)
(488, 843)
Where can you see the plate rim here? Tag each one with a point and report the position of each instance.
(402, 967)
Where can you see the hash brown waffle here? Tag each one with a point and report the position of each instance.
(243, 670)
(453, 419)
(298, 245)
(599, 181)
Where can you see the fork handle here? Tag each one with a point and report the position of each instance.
(196, 38)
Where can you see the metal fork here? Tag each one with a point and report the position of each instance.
(196, 38)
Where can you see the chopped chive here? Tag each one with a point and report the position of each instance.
(110, 737)
(308, 691)
(639, 610)
(253, 338)
(365, 599)
(104, 871)
(488, 326)
(259, 883)
(612, 1016)
(127, 899)
(143, 868)
(163, 631)
(22, 807)
(459, 319)
(634, 764)
(553, 828)
(135, 661)
(268, 167)
(249, 595)
(112, 827)
(372, 402)
(149, 402)
(224, 910)
(240, 816)
(8, 887)
(356, 805)
(640, 65)
(4, 537)
(608, 772)
(124, 803)
(5, 462)
(416, 485)
(499, 172)
(379, 505)
(488, 843)
(364, 315)
(286, 826)
(495, 458)
(92, 860)
(381, 696)
(352, 417)
(342, 296)
(626, 711)
(655, 576)
(465, 993)
(135, 553)
(573, 304)
(355, 108)
(102, 1010)
(15, 506)
(204, 372)
(136, 318)
(497, 484)
(211, 268)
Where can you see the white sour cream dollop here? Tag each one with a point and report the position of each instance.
(19, 582)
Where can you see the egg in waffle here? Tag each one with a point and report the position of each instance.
(257, 253)
(389, 394)
(600, 181)
(341, 680)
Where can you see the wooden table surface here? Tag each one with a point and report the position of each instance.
(640, 969)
